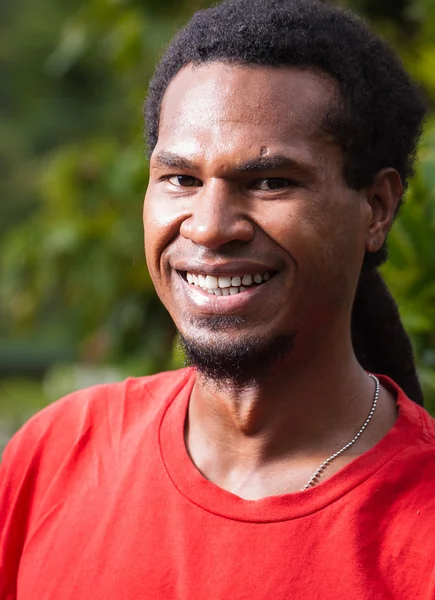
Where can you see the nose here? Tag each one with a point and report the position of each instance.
(217, 218)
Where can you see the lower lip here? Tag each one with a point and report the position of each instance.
(223, 305)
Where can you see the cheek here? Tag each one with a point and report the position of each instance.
(322, 237)
(162, 219)
(337, 233)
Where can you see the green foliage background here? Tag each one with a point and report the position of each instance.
(76, 303)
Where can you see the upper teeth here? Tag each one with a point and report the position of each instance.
(225, 285)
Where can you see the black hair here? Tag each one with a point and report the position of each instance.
(380, 341)
(377, 121)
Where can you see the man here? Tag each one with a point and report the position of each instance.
(281, 134)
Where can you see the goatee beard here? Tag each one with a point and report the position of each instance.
(237, 363)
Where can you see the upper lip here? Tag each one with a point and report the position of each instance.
(222, 268)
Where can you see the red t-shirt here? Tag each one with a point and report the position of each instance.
(100, 501)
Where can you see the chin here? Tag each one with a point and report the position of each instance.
(239, 361)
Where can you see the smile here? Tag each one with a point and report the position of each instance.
(226, 285)
(228, 291)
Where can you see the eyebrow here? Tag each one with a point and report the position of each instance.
(256, 165)
(173, 161)
(268, 163)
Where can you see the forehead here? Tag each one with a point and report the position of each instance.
(218, 105)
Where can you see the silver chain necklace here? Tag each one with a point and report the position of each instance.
(315, 477)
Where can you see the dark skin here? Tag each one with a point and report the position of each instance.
(245, 179)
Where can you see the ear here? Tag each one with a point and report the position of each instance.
(383, 197)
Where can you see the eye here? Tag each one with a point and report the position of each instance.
(275, 183)
(184, 181)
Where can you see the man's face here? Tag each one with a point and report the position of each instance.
(245, 187)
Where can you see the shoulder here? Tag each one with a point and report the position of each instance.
(65, 446)
(413, 420)
(409, 476)
(94, 412)
(417, 457)
(62, 448)
(405, 457)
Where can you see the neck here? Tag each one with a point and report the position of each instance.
(299, 414)
(292, 408)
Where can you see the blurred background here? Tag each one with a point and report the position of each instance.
(76, 303)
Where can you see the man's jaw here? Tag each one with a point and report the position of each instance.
(229, 306)
(237, 363)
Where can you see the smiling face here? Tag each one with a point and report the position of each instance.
(246, 199)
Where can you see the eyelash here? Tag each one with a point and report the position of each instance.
(289, 182)
(168, 177)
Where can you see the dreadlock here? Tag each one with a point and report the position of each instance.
(380, 341)
(377, 123)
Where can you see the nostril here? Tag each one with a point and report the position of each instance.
(215, 228)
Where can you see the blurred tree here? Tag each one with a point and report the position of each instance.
(73, 270)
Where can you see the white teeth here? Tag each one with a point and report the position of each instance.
(211, 282)
(225, 286)
(224, 282)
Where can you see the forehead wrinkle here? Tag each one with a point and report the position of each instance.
(226, 120)
(222, 84)
(228, 134)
